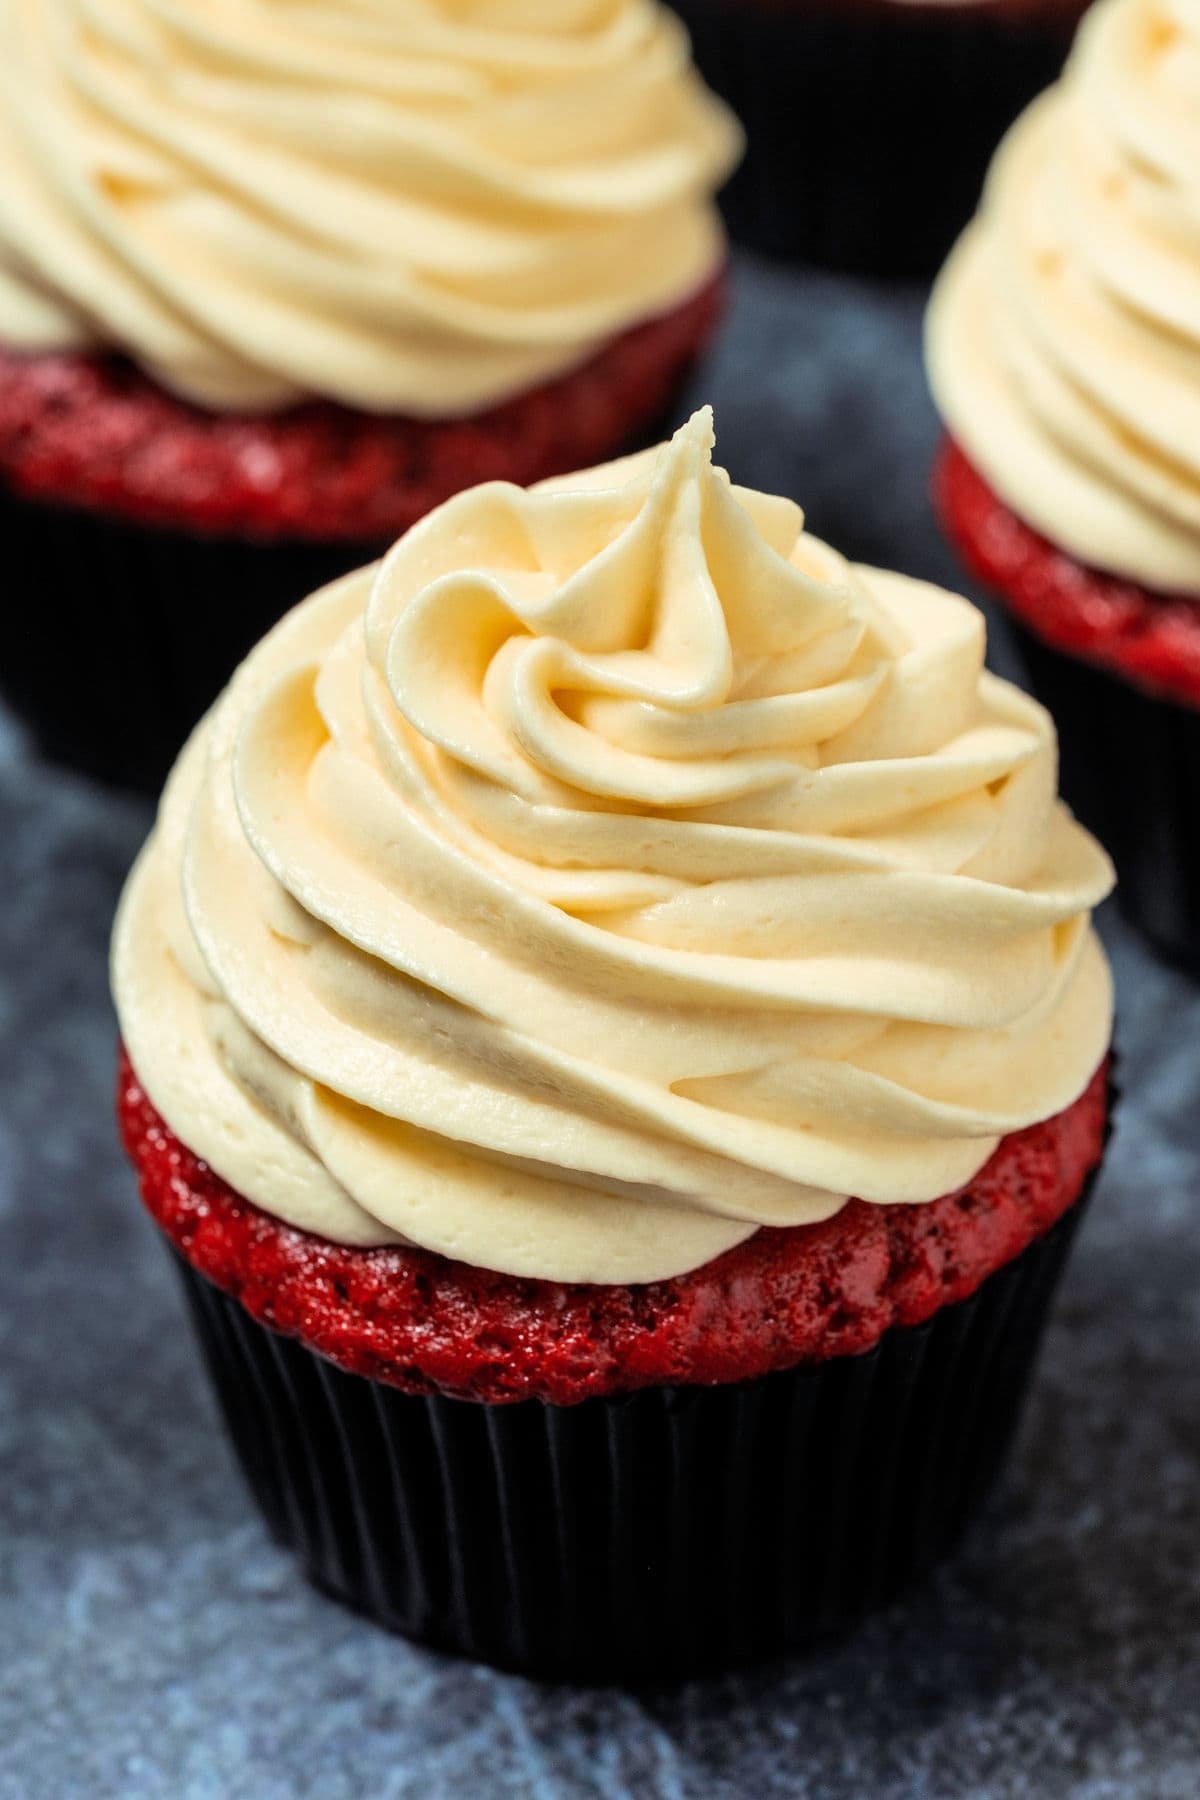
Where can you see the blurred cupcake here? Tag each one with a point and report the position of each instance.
(870, 122)
(1064, 351)
(579, 909)
(275, 281)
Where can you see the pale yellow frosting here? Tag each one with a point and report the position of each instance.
(1064, 334)
(612, 871)
(415, 206)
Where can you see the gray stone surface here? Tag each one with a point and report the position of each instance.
(152, 1643)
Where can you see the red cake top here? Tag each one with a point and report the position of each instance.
(94, 431)
(423, 1323)
(1153, 639)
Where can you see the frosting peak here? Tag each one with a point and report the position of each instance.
(1064, 333)
(612, 871)
(646, 643)
(413, 206)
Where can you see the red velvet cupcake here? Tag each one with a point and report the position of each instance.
(1064, 348)
(579, 911)
(267, 297)
(870, 122)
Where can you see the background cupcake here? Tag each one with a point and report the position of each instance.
(870, 122)
(1064, 351)
(578, 911)
(275, 281)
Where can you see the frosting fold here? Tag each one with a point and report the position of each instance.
(1064, 333)
(611, 872)
(419, 208)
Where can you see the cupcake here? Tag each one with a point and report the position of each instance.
(274, 283)
(1064, 352)
(870, 122)
(615, 1040)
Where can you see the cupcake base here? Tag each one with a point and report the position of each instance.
(638, 1537)
(130, 632)
(1119, 668)
(1130, 767)
(870, 122)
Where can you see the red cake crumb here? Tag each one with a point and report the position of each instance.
(426, 1324)
(1153, 639)
(94, 431)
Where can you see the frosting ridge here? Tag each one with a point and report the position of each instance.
(1064, 333)
(612, 871)
(415, 208)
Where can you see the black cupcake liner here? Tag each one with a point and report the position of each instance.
(1130, 770)
(128, 632)
(672, 1530)
(870, 126)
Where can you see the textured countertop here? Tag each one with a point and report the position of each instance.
(152, 1642)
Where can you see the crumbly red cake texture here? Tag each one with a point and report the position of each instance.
(425, 1324)
(94, 431)
(1152, 639)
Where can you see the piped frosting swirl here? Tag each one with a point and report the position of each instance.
(1064, 333)
(419, 207)
(611, 872)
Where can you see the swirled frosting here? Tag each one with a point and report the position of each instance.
(1064, 333)
(414, 206)
(609, 873)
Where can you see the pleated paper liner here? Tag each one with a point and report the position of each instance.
(673, 1530)
(1130, 769)
(870, 124)
(117, 636)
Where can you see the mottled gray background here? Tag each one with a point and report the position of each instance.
(152, 1643)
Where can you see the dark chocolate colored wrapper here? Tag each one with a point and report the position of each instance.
(642, 1537)
(132, 630)
(870, 126)
(1130, 769)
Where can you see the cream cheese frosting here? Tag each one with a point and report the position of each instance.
(412, 206)
(1064, 333)
(612, 871)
